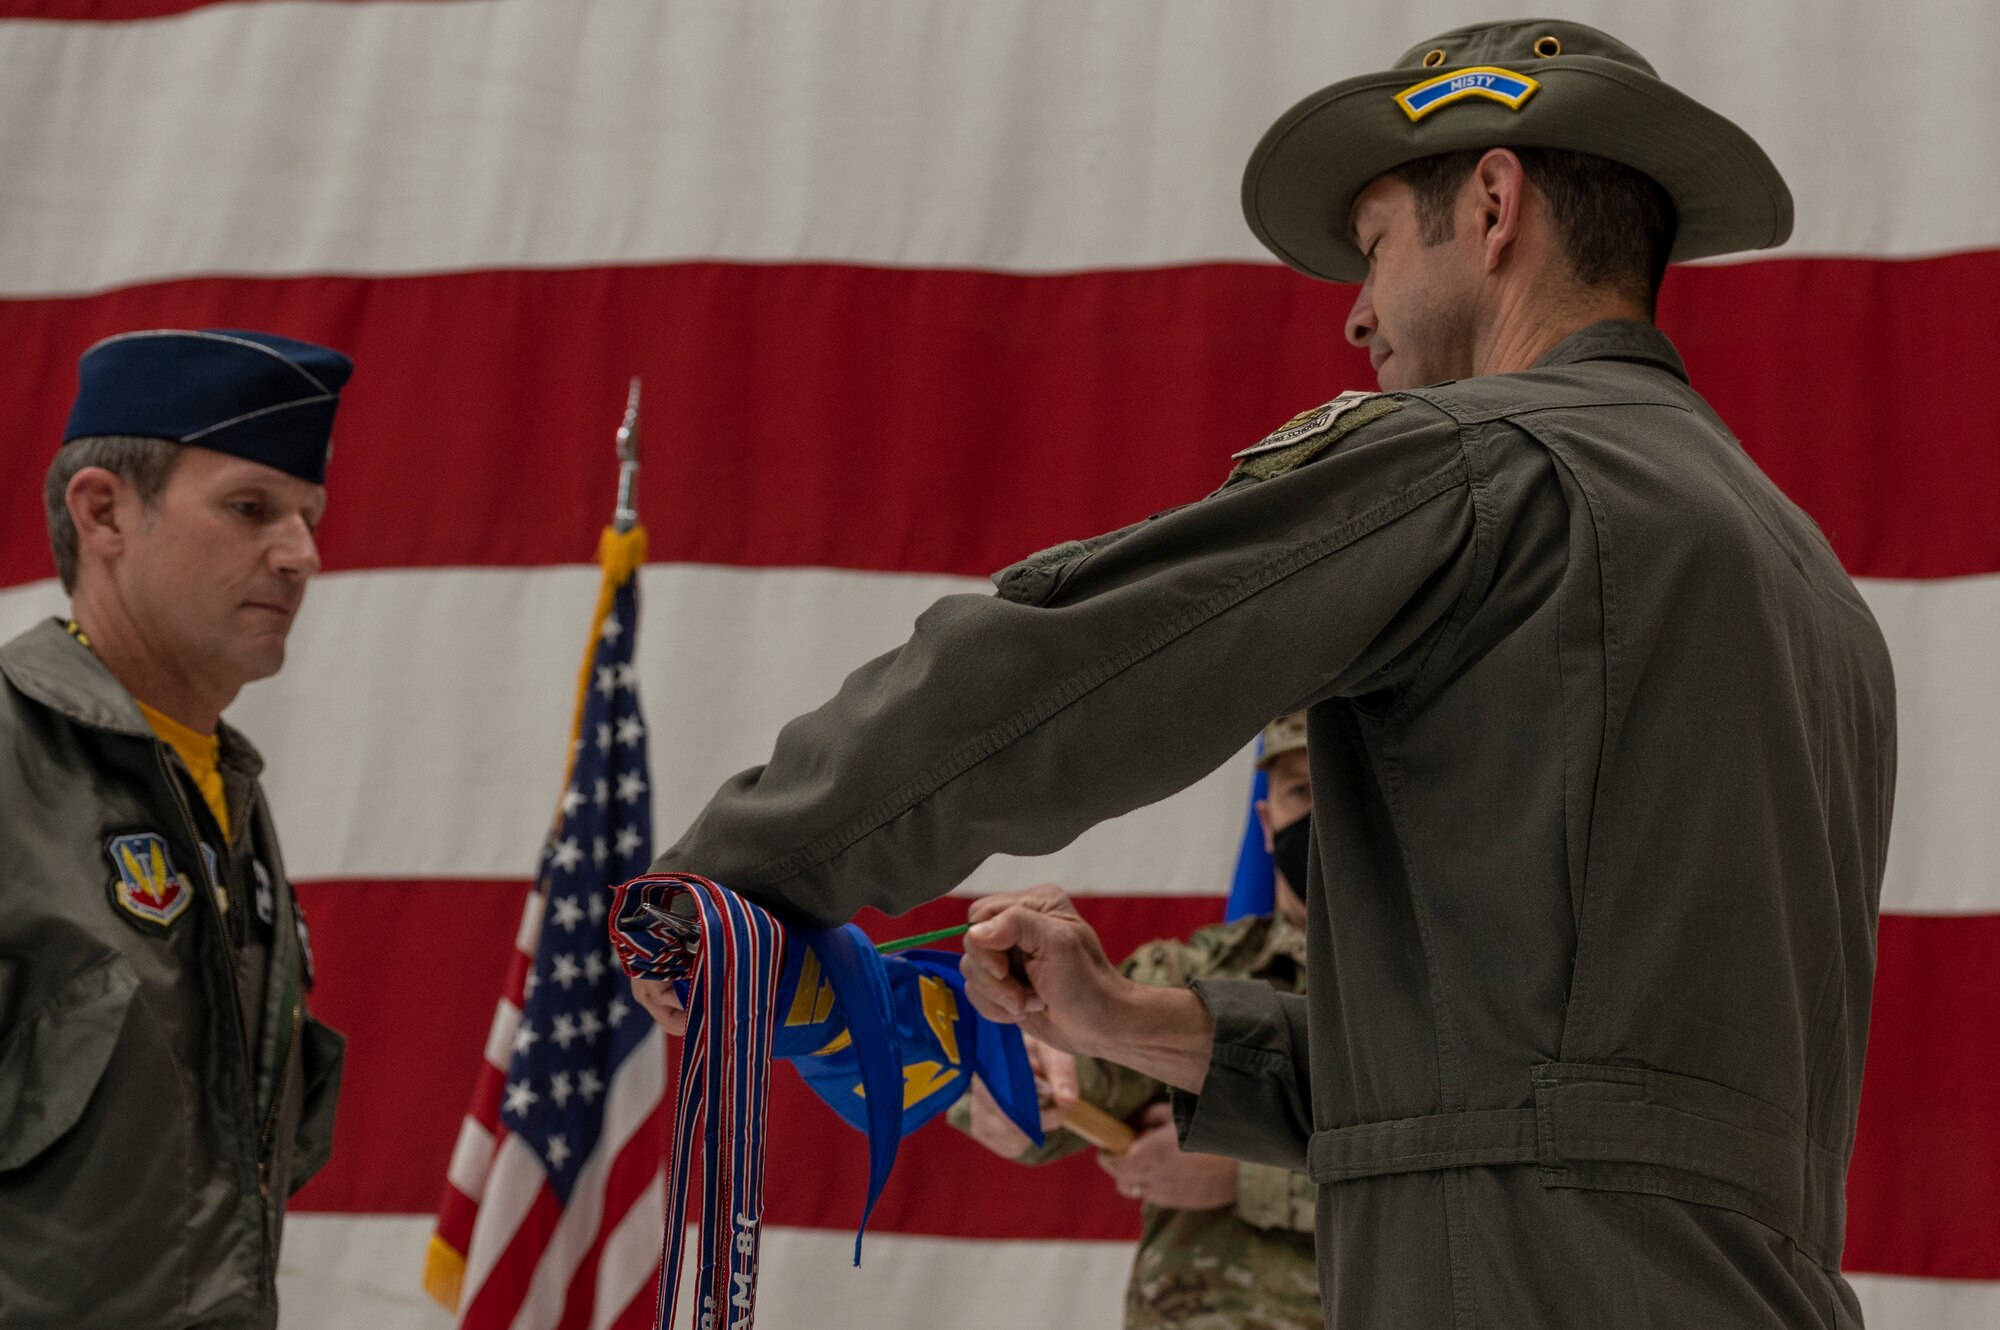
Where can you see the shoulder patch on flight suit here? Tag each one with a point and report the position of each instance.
(147, 889)
(1310, 433)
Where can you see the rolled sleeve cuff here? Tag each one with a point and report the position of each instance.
(1254, 1103)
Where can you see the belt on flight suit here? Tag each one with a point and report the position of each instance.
(1608, 1128)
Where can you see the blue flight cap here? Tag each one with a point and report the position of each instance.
(250, 394)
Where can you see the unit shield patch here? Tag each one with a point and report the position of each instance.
(148, 889)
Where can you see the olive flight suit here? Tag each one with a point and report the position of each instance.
(1602, 743)
(163, 1088)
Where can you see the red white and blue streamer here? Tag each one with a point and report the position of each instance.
(728, 955)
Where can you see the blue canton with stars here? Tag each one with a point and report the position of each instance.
(579, 1022)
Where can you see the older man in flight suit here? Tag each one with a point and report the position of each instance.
(1602, 737)
(163, 1089)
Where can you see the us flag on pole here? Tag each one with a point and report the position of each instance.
(552, 1207)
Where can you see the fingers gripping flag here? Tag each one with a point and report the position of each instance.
(554, 1189)
(888, 1042)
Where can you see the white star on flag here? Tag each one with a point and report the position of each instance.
(598, 909)
(612, 628)
(560, 1089)
(607, 680)
(524, 1037)
(572, 800)
(603, 738)
(594, 967)
(568, 914)
(631, 730)
(564, 971)
(602, 794)
(589, 1027)
(567, 855)
(563, 1031)
(599, 851)
(617, 1011)
(630, 786)
(558, 1151)
(627, 676)
(520, 1098)
(628, 841)
(588, 1085)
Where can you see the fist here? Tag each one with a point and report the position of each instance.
(1030, 960)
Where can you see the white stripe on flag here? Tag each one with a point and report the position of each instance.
(635, 1092)
(529, 935)
(470, 1158)
(417, 662)
(1038, 135)
(500, 1035)
(512, 1185)
(631, 1253)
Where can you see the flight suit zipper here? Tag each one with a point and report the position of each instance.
(266, 1266)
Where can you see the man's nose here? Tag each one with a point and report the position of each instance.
(297, 552)
(1361, 317)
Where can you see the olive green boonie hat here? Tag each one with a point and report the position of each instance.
(1539, 83)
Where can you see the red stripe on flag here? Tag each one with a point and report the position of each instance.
(942, 421)
(500, 1297)
(1924, 1192)
(122, 11)
(1923, 1195)
(408, 970)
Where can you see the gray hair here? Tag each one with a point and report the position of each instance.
(145, 464)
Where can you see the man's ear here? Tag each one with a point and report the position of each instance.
(1499, 186)
(1263, 807)
(93, 498)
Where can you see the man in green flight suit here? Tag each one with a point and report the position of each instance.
(1226, 1244)
(1602, 737)
(163, 1089)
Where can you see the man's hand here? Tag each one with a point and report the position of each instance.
(1055, 1086)
(657, 997)
(1031, 960)
(1157, 1171)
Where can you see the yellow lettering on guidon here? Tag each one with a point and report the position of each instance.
(941, 1010)
(812, 1002)
(921, 1080)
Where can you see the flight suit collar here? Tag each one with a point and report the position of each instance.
(52, 667)
(1617, 339)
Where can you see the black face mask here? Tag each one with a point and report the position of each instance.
(1288, 851)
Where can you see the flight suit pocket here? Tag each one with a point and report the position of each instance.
(1036, 579)
(51, 1063)
(322, 1056)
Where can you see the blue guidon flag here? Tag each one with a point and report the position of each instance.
(1490, 82)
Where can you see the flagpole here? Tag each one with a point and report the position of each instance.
(627, 516)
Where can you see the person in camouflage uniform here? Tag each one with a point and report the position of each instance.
(1224, 1245)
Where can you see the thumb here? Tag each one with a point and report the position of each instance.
(1159, 1114)
(1059, 1068)
(1014, 928)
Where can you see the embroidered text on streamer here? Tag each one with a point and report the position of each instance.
(889, 1042)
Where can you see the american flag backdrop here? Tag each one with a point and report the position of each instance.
(917, 287)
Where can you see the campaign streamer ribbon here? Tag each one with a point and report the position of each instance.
(729, 953)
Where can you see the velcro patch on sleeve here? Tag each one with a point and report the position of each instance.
(1306, 436)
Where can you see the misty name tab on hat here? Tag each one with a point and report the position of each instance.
(255, 395)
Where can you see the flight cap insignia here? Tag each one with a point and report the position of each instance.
(148, 889)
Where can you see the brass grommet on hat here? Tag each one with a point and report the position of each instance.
(1501, 85)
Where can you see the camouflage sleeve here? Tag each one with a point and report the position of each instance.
(1268, 1197)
